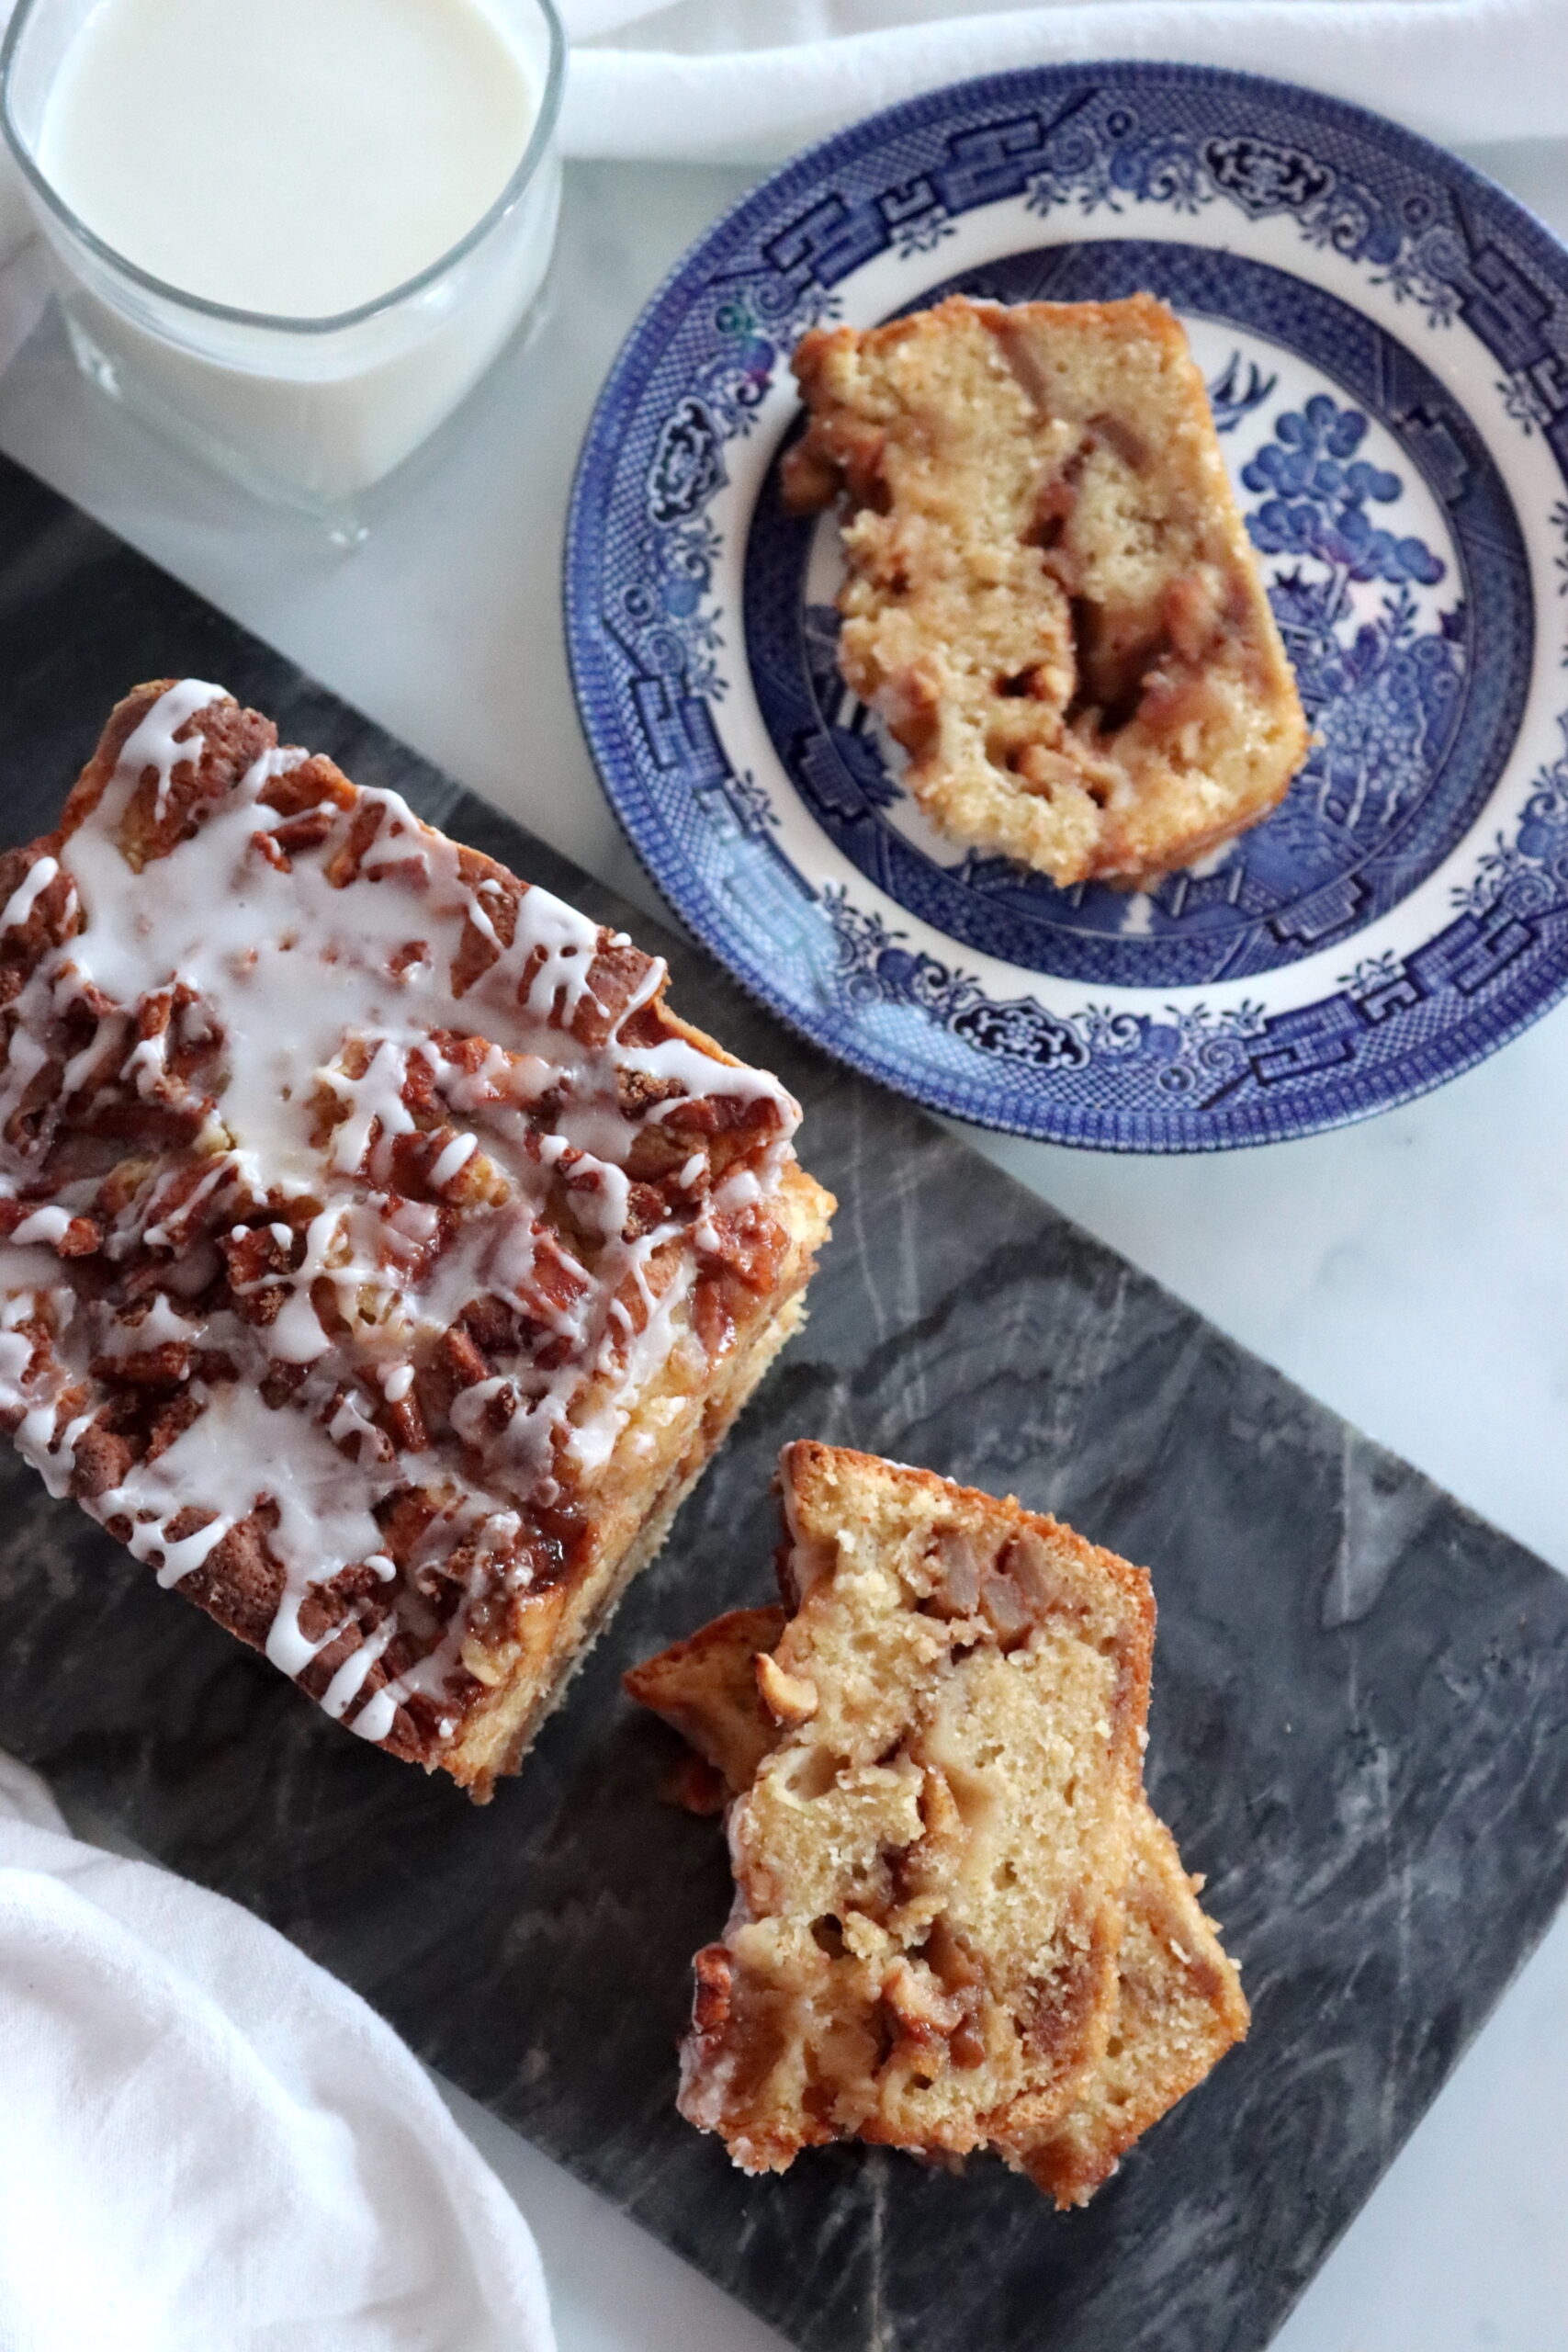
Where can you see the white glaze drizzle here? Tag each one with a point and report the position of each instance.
(28, 893)
(299, 984)
(44, 1224)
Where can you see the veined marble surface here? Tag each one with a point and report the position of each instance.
(1412, 1272)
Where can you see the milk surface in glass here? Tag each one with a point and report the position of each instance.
(296, 159)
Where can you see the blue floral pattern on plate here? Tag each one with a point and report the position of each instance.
(1385, 338)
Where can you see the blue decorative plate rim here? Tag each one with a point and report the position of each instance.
(840, 963)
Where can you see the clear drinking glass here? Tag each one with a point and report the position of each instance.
(308, 411)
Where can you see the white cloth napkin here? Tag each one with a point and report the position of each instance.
(748, 80)
(752, 79)
(208, 2145)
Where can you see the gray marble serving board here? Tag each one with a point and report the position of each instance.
(1359, 1730)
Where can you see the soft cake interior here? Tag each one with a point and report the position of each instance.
(929, 1861)
(1052, 599)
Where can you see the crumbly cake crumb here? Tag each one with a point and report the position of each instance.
(1052, 600)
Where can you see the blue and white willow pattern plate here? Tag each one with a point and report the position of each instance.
(1385, 340)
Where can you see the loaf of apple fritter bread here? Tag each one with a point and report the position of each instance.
(1050, 600)
(382, 1258)
(1176, 2005)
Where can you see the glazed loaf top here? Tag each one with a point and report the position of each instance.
(354, 1192)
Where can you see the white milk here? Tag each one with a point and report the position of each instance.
(299, 159)
(294, 156)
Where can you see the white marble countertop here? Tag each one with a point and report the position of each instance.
(1412, 1272)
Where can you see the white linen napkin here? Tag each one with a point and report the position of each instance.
(749, 80)
(208, 2145)
(753, 79)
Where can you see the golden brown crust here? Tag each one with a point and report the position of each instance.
(497, 1732)
(379, 1256)
(1052, 598)
(705, 1688)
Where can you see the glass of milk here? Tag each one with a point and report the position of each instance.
(295, 233)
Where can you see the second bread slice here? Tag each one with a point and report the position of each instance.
(929, 1859)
